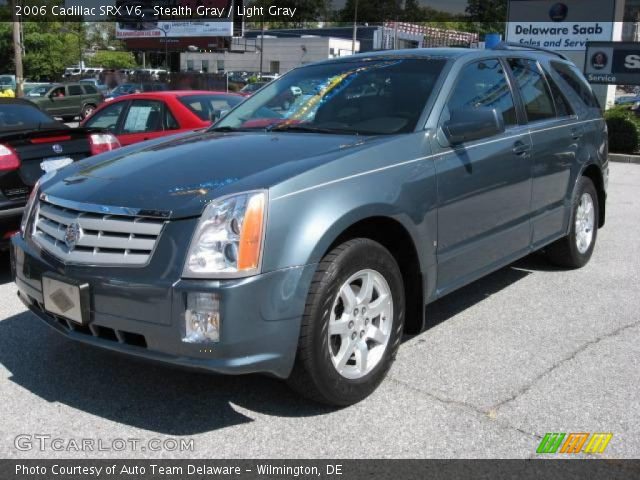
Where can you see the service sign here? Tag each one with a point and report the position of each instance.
(613, 63)
(565, 26)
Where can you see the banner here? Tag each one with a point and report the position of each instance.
(568, 27)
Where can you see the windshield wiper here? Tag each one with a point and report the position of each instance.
(230, 129)
(298, 127)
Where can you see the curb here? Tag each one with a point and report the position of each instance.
(619, 158)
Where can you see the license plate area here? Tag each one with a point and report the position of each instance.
(55, 163)
(66, 298)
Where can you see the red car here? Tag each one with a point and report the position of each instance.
(144, 116)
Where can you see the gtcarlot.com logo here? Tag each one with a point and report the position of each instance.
(574, 443)
(45, 443)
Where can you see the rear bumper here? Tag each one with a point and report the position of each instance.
(260, 316)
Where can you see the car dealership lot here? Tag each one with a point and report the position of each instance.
(525, 351)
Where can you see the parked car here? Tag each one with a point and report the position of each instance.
(69, 101)
(32, 144)
(96, 83)
(129, 88)
(7, 82)
(144, 116)
(304, 244)
(627, 99)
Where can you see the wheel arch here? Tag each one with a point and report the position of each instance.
(395, 236)
(594, 173)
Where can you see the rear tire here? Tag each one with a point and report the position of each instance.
(575, 250)
(344, 352)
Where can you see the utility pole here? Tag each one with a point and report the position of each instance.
(17, 51)
(355, 29)
(261, 46)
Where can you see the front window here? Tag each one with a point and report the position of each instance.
(106, 118)
(366, 96)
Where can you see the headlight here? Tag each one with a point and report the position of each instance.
(228, 239)
(28, 209)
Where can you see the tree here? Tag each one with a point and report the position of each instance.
(487, 15)
(49, 48)
(107, 59)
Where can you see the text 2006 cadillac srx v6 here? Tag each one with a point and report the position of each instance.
(302, 241)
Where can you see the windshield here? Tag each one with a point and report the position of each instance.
(16, 116)
(124, 88)
(6, 80)
(40, 91)
(364, 96)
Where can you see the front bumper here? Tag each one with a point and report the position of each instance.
(260, 315)
(9, 222)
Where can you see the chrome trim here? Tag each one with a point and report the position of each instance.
(107, 239)
(12, 212)
(105, 209)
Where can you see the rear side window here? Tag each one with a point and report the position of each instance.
(143, 116)
(75, 90)
(571, 75)
(563, 107)
(484, 84)
(90, 89)
(534, 89)
(207, 107)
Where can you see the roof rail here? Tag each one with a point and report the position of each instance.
(522, 46)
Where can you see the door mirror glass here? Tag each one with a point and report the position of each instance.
(468, 124)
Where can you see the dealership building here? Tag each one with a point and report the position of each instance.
(565, 26)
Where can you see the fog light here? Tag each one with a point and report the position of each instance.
(202, 318)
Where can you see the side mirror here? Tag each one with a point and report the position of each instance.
(468, 124)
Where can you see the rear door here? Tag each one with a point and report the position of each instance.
(554, 132)
(484, 186)
(146, 120)
(75, 97)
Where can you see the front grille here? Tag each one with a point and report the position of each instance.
(100, 239)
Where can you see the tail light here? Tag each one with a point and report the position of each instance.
(9, 159)
(103, 142)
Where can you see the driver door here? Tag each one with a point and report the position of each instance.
(58, 103)
(484, 186)
(108, 118)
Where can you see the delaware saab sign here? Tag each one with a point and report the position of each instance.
(613, 63)
(566, 25)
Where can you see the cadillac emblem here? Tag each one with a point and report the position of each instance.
(72, 236)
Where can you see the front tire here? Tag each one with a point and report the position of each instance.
(575, 250)
(87, 110)
(352, 326)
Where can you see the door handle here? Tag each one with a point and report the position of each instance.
(577, 133)
(521, 148)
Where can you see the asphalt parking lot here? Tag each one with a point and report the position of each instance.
(525, 351)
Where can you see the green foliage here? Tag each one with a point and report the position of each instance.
(49, 48)
(624, 130)
(108, 59)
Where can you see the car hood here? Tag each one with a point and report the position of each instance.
(176, 178)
